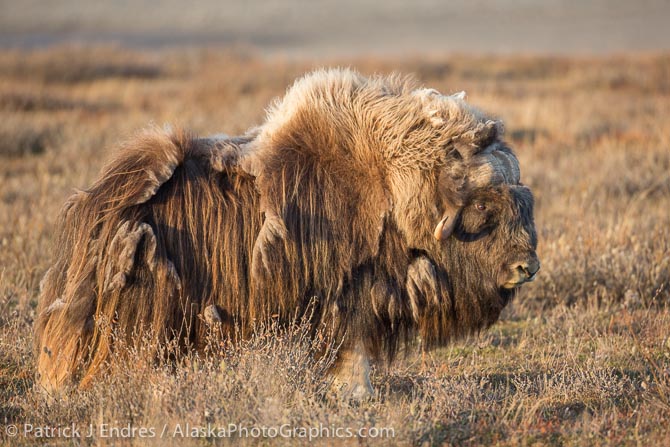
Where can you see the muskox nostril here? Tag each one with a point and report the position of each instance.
(533, 266)
(527, 270)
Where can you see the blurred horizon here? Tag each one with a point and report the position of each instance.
(346, 28)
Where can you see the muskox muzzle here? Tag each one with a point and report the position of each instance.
(522, 272)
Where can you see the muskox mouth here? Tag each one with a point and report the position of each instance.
(511, 285)
(531, 278)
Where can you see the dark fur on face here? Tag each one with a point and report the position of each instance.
(495, 232)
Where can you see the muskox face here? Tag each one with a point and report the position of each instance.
(495, 233)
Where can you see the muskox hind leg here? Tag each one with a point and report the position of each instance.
(351, 374)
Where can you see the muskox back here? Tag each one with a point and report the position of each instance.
(166, 231)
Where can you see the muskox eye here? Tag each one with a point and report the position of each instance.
(480, 207)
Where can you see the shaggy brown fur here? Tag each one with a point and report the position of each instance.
(335, 197)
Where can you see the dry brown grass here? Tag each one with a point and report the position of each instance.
(581, 358)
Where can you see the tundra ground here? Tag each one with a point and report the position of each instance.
(582, 356)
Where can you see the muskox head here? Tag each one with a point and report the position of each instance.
(480, 192)
(475, 271)
(487, 204)
(484, 236)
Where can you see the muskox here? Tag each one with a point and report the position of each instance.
(384, 212)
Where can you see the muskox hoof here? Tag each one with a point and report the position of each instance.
(351, 381)
(211, 315)
(272, 231)
(352, 392)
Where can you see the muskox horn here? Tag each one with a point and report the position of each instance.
(447, 224)
(494, 165)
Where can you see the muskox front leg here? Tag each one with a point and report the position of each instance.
(351, 374)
